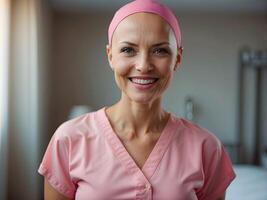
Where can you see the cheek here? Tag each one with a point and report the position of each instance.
(165, 69)
(120, 81)
(166, 72)
(122, 66)
(165, 65)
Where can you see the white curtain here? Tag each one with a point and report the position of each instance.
(4, 62)
(19, 118)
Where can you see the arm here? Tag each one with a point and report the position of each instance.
(222, 197)
(51, 194)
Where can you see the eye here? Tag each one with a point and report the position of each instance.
(127, 50)
(161, 51)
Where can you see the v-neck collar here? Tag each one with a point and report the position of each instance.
(126, 159)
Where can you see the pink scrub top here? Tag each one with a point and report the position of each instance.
(86, 160)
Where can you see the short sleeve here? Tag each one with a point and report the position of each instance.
(55, 164)
(217, 171)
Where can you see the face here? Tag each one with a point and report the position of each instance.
(144, 56)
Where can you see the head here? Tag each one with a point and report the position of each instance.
(143, 45)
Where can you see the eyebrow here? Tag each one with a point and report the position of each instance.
(154, 45)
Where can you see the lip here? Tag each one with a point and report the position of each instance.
(143, 87)
(143, 77)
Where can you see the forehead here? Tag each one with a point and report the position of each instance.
(143, 26)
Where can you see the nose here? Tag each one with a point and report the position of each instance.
(143, 63)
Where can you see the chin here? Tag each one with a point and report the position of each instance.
(142, 99)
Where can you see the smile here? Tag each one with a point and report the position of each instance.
(143, 81)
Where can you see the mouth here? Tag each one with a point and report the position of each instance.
(143, 81)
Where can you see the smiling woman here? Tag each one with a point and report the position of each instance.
(135, 149)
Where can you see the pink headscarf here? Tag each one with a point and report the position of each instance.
(151, 6)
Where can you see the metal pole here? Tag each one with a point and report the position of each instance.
(240, 145)
(257, 141)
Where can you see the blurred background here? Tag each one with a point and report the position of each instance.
(53, 67)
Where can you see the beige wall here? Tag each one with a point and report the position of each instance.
(81, 75)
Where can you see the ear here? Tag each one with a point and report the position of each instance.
(109, 54)
(178, 58)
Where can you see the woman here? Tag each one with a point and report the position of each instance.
(135, 149)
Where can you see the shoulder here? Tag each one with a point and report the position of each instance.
(81, 126)
(195, 134)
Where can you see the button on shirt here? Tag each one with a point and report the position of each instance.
(86, 160)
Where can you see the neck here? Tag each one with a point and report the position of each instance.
(138, 119)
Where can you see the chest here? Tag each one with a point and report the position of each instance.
(122, 180)
(140, 150)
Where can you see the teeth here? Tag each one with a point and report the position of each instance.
(143, 81)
